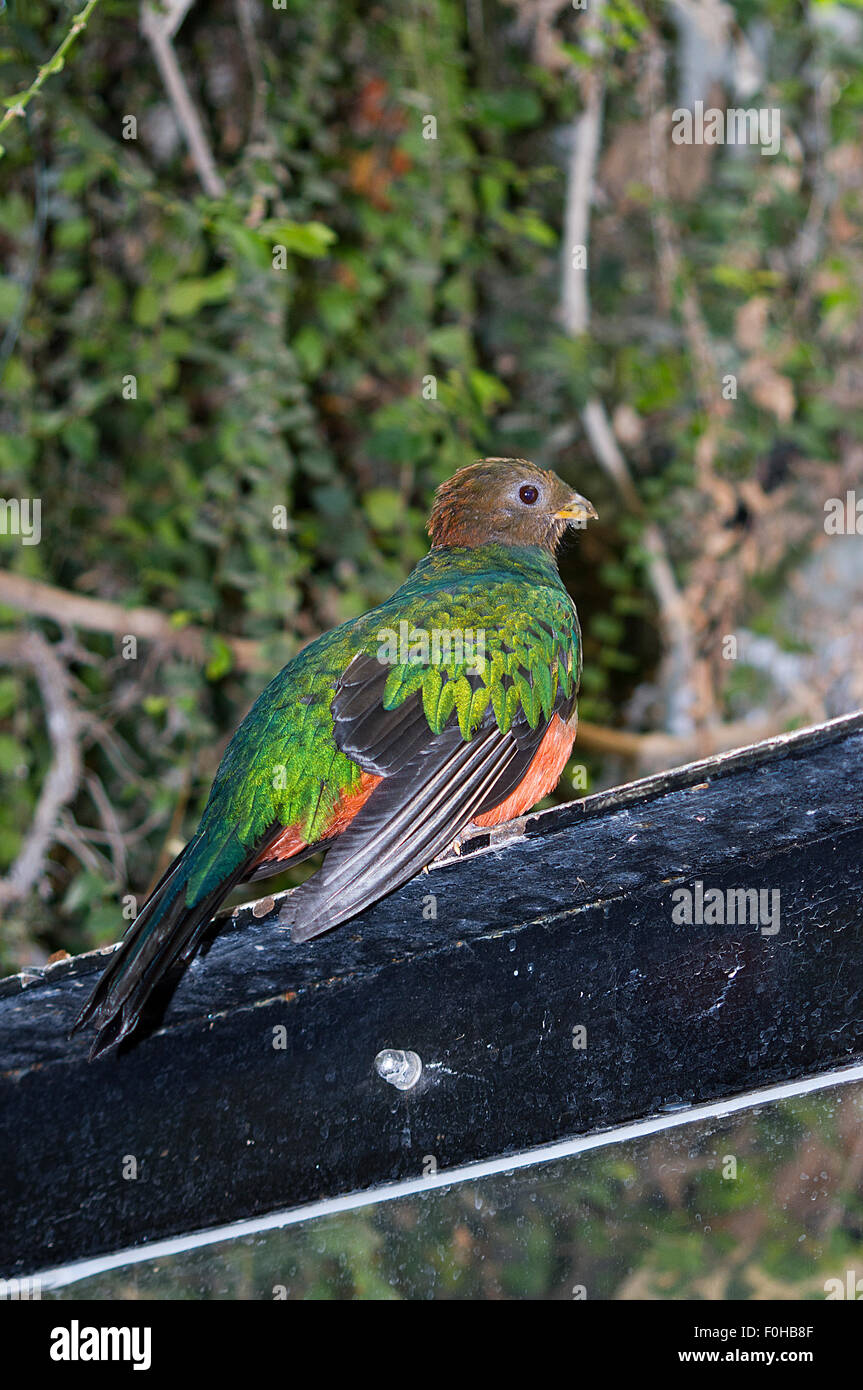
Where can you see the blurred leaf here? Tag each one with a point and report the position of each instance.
(186, 297)
(306, 238)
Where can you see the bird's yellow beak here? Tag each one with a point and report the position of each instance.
(578, 509)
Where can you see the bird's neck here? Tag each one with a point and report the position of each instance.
(533, 563)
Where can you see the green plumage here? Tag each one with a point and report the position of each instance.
(387, 737)
(283, 765)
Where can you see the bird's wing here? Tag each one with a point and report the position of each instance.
(448, 751)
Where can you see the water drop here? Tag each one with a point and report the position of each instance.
(400, 1069)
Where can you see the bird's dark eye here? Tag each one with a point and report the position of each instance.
(528, 494)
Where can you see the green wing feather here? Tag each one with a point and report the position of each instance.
(498, 613)
(489, 628)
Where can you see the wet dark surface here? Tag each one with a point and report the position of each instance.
(569, 926)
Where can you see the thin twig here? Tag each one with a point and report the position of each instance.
(159, 27)
(69, 833)
(54, 64)
(64, 775)
(113, 829)
(246, 19)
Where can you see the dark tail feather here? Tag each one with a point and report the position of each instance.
(120, 958)
(166, 932)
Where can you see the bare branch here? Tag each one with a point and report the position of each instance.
(98, 615)
(575, 315)
(159, 26)
(63, 778)
(113, 829)
(584, 153)
(657, 752)
(671, 275)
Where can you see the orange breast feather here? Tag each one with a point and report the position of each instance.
(542, 776)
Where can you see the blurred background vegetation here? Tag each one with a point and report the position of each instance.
(170, 381)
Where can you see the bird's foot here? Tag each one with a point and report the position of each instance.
(454, 848)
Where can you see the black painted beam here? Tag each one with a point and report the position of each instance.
(258, 1090)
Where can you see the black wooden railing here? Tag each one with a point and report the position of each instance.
(545, 982)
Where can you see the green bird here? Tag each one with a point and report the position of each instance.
(452, 704)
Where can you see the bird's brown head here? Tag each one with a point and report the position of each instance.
(508, 502)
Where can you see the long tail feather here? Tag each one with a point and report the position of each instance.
(166, 933)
